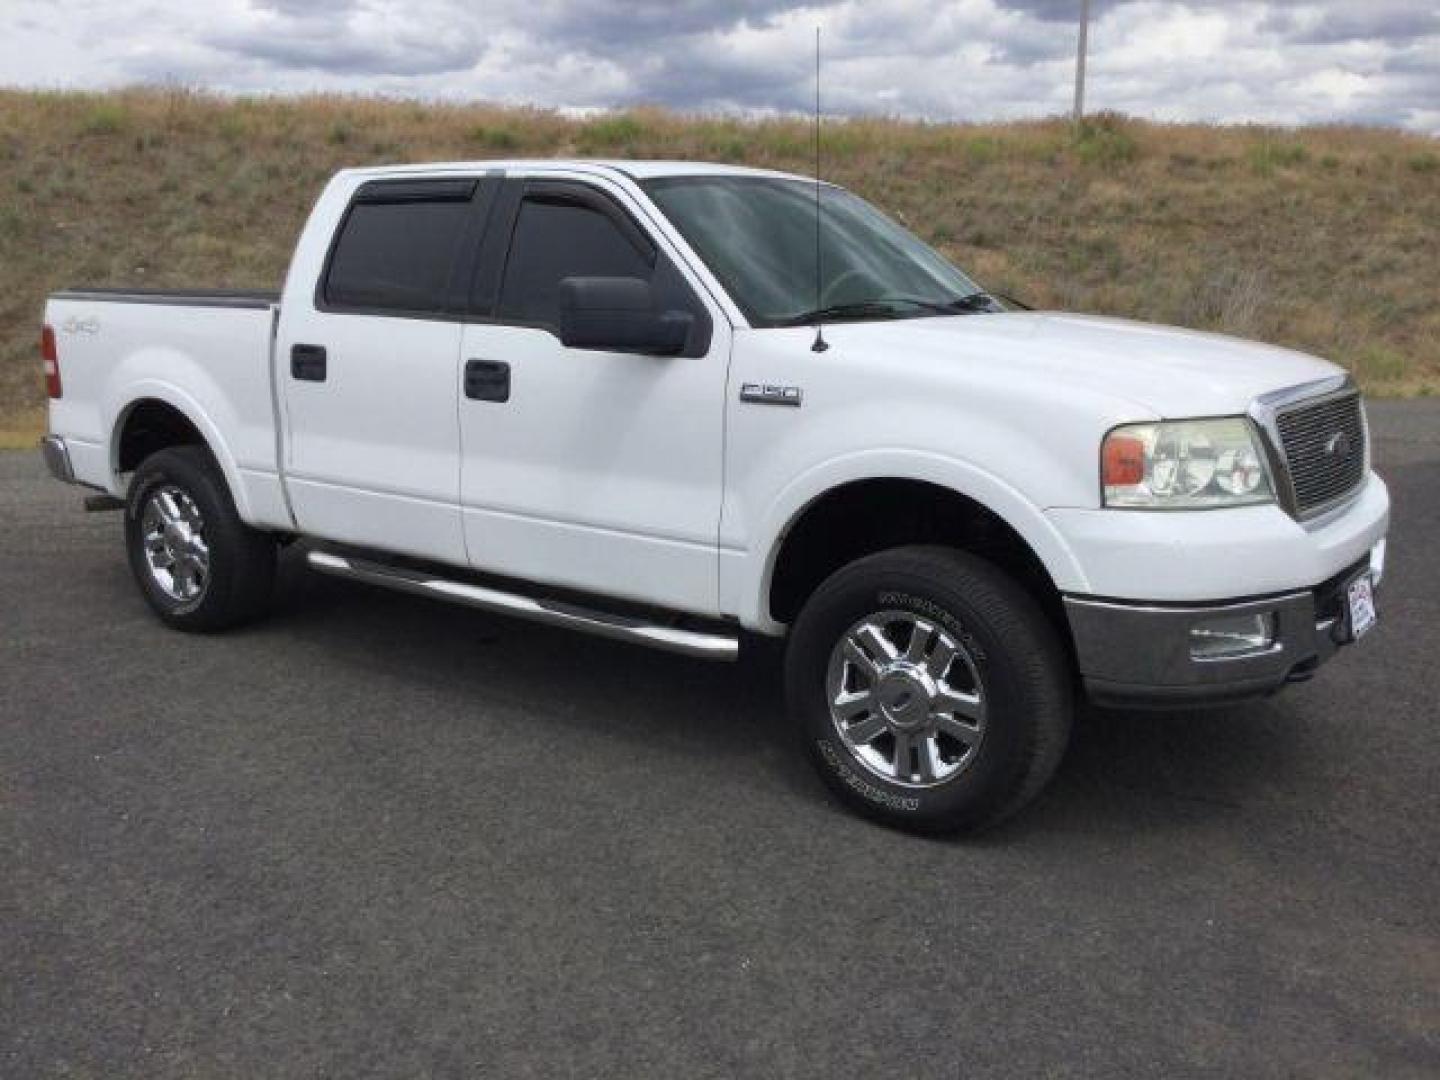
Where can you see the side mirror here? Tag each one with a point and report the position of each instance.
(618, 314)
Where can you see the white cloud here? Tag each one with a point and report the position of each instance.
(1225, 60)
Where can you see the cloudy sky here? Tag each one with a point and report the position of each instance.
(1368, 61)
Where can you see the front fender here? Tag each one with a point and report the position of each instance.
(746, 576)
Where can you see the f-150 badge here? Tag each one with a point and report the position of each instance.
(768, 394)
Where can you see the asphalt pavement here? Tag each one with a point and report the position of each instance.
(380, 836)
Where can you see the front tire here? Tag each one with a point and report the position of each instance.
(931, 691)
(197, 564)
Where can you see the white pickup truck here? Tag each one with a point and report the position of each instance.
(670, 402)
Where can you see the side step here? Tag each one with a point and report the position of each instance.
(707, 646)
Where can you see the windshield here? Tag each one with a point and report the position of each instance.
(757, 235)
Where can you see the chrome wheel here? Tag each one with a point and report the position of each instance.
(906, 699)
(173, 532)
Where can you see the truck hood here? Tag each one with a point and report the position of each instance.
(1167, 370)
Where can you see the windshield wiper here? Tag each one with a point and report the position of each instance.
(885, 307)
(855, 309)
(942, 307)
(975, 301)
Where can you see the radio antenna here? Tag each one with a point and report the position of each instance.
(820, 344)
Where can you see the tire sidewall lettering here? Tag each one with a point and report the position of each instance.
(895, 599)
(836, 759)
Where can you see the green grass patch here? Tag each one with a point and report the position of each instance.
(104, 119)
(612, 132)
(1268, 156)
(1425, 163)
(1378, 364)
(1103, 142)
(981, 149)
(498, 139)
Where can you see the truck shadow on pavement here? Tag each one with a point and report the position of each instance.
(1125, 771)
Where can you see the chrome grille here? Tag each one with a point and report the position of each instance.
(1323, 442)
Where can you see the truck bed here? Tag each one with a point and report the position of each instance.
(206, 353)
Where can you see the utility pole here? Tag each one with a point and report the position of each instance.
(1080, 61)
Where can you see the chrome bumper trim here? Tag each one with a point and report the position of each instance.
(1139, 655)
(57, 458)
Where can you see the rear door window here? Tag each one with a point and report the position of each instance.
(400, 247)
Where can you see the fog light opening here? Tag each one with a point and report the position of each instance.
(1225, 637)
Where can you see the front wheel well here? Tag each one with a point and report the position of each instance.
(869, 516)
(151, 425)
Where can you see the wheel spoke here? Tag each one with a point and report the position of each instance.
(876, 643)
(858, 657)
(925, 758)
(867, 730)
(920, 634)
(954, 702)
(903, 767)
(168, 507)
(852, 702)
(939, 662)
(966, 734)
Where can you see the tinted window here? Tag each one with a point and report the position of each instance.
(556, 240)
(396, 256)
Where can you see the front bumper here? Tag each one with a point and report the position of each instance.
(1195, 556)
(1139, 655)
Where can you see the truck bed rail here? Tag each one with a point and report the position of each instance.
(223, 298)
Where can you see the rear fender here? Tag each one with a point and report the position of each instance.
(124, 402)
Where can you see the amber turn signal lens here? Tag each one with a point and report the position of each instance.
(1123, 461)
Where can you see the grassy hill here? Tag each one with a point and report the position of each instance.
(1327, 239)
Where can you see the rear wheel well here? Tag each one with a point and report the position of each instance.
(869, 516)
(152, 425)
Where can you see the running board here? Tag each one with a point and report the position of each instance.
(707, 646)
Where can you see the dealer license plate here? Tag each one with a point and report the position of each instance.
(1360, 596)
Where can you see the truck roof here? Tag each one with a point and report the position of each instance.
(639, 170)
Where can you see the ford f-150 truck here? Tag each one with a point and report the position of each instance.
(671, 403)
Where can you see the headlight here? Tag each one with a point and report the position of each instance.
(1184, 465)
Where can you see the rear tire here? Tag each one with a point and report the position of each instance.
(197, 564)
(931, 691)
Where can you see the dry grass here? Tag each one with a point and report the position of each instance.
(1327, 239)
(22, 430)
